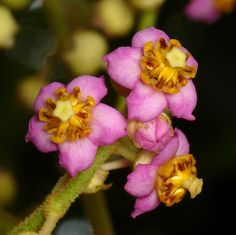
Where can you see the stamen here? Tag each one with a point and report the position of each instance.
(61, 93)
(164, 66)
(67, 118)
(177, 176)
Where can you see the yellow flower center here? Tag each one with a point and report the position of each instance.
(176, 177)
(68, 117)
(164, 66)
(225, 6)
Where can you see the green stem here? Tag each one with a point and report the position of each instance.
(61, 183)
(148, 18)
(59, 201)
(49, 225)
(95, 207)
(120, 103)
(126, 149)
(56, 16)
(66, 191)
(37, 218)
(31, 223)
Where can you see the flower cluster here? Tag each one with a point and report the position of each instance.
(158, 72)
(208, 11)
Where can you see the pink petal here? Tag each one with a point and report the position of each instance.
(168, 152)
(145, 204)
(183, 143)
(123, 65)
(107, 125)
(202, 10)
(46, 92)
(89, 86)
(142, 180)
(183, 103)
(39, 137)
(77, 156)
(149, 34)
(144, 103)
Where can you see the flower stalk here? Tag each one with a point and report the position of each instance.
(148, 18)
(46, 216)
(56, 15)
(59, 201)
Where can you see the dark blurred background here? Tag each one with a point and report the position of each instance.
(212, 136)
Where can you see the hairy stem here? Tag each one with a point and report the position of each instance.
(37, 218)
(59, 201)
(45, 218)
(126, 149)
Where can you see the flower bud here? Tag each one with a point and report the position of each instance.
(88, 49)
(147, 4)
(16, 4)
(153, 135)
(28, 90)
(8, 28)
(114, 17)
(7, 188)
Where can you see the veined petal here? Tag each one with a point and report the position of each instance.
(144, 103)
(107, 125)
(168, 151)
(123, 65)
(145, 204)
(183, 103)
(39, 137)
(148, 35)
(89, 86)
(202, 10)
(142, 180)
(77, 156)
(46, 92)
(183, 143)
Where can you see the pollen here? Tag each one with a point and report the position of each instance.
(164, 66)
(225, 6)
(67, 118)
(176, 177)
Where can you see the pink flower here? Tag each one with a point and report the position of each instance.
(152, 135)
(72, 120)
(208, 11)
(158, 71)
(166, 179)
